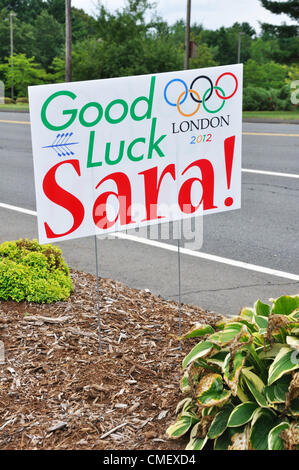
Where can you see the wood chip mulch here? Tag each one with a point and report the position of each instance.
(57, 392)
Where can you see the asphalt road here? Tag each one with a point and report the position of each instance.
(263, 233)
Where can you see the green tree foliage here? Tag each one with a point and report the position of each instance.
(23, 36)
(205, 56)
(83, 67)
(21, 72)
(261, 51)
(286, 35)
(26, 10)
(112, 59)
(135, 40)
(126, 44)
(284, 42)
(48, 39)
(83, 25)
(56, 8)
(290, 7)
(177, 31)
(57, 70)
(226, 42)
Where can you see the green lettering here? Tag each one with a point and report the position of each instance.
(72, 112)
(97, 120)
(154, 145)
(130, 148)
(149, 102)
(120, 155)
(122, 117)
(90, 163)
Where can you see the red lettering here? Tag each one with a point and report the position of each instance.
(207, 183)
(152, 188)
(124, 198)
(63, 198)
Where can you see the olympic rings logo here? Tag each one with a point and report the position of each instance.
(206, 96)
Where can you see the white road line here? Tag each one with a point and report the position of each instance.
(17, 209)
(184, 251)
(209, 257)
(270, 173)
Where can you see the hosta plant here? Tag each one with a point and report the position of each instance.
(241, 382)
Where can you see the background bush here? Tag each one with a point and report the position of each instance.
(22, 99)
(33, 272)
(256, 99)
(260, 99)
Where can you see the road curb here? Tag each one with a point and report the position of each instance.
(25, 111)
(271, 121)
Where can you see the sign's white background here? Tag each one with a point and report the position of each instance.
(177, 147)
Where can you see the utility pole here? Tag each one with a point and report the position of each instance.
(239, 46)
(187, 35)
(68, 41)
(11, 15)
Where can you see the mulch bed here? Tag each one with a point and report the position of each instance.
(57, 392)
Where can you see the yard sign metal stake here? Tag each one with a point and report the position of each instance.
(98, 295)
(180, 291)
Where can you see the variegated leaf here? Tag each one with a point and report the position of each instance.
(202, 349)
(247, 313)
(184, 383)
(197, 331)
(231, 372)
(229, 333)
(196, 443)
(242, 414)
(210, 391)
(181, 426)
(183, 404)
(284, 362)
(262, 322)
(240, 440)
(262, 309)
(255, 385)
(225, 440)
(275, 441)
(293, 342)
(285, 304)
(263, 421)
(219, 423)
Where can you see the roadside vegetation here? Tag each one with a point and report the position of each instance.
(135, 41)
(33, 272)
(275, 115)
(241, 381)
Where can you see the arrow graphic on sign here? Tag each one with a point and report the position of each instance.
(61, 145)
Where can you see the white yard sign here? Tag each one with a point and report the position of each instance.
(125, 152)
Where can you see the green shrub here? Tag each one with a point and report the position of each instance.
(22, 99)
(33, 272)
(260, 99)
(282, 98)
(8, 100)
(257, 99)
(240, 380)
